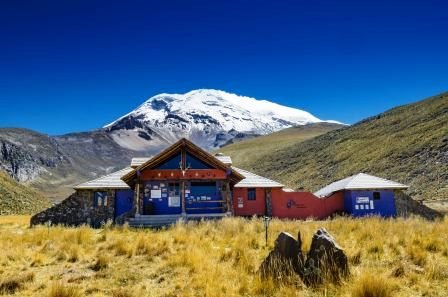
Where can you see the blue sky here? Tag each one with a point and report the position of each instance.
(76, 65)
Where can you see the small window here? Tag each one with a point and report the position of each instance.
(251, 194)
(376, 196)
(100, 199)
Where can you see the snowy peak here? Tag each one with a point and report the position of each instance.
(209, 117)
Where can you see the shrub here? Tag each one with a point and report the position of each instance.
(101, 263)
(370, 285)
(59, 290)
(11, 284)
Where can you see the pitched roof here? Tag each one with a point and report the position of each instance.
(182, 143)
(358, 182)
(110, 181)
(135, 162)
(252, 180)
(225, 159)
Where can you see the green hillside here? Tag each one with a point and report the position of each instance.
(408, 144)
(19, 199)
(244, 152)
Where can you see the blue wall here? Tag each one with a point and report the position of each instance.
(362, 203)
(160, 204)
(124, 201)
(203, 197)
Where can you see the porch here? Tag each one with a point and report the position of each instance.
(157, 221)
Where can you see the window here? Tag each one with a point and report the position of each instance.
(251, 194)
(100, 199)
(376, 196)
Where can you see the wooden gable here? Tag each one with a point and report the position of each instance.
(194, 156)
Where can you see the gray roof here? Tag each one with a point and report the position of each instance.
(359, 181)
(135, 162)
(252, 180)
(110, 181)
(225, 159)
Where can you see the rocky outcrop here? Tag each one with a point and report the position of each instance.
(325, 261)
(406, 206)
(285, 258)
(78, 209)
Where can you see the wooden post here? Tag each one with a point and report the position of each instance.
(137, 198)
(183, 198)
(229, 201)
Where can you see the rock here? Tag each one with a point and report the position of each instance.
(326, 260)
(285, 259)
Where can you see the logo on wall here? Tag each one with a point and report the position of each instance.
(291, 203)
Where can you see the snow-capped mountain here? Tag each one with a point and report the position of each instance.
(210, 118)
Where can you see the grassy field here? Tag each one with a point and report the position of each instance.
(217, 259)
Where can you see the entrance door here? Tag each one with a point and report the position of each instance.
(124, 200)
(204, 197)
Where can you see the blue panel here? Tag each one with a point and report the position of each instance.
(123, 201)
(348, 202)
(204, 197)
(171, 163)
(364, 203)
(194, 163)
(162, 198)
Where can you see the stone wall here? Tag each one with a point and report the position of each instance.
(78, 209)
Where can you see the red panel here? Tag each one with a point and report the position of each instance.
(244, 207)
(198, 174)
(302, 205)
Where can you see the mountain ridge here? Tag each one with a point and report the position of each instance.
(208, 117)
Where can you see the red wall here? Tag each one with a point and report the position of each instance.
(293, 205)
(250, 207)
(302, 205)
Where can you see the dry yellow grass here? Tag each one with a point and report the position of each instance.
(398, 257)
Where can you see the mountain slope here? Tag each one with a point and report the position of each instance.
(408, 144)
(19, 199)
(243, 152)
(210, 118)
(54, 164)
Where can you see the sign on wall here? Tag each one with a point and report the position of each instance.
(362, 199)
(156, 194)
(174, 201)
(240, 202)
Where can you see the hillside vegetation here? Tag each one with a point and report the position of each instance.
(217, 258)
(19, 199)
(244, 152)
(408, 144)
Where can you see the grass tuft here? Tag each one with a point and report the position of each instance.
(14, 283)
(371, 285)
(58, 289)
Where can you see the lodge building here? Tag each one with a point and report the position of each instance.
(186, 182)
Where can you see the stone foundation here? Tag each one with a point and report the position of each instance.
(78, 209)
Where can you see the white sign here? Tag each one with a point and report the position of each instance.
(240, 202)
(362, 199)
(371, 204)
(174, 201)
(156, 194)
